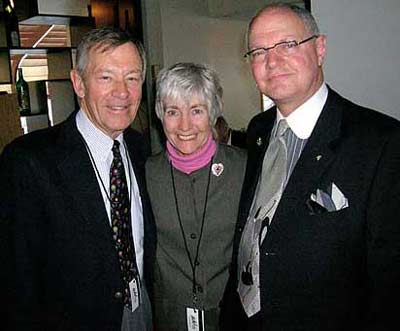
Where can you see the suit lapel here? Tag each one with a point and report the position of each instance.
(134, 143)
(136, 158)
(258, 144)
(319, 151)
(316, 159)
(80, 183)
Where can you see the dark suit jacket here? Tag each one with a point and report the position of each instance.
(331, 271)
(60, 265)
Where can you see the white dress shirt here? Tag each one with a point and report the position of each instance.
(303, 119)
(100, 146)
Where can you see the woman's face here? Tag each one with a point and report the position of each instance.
(186, 124)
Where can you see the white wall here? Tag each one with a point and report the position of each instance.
(363, 61)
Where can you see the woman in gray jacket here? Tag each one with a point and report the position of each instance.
(194, 187)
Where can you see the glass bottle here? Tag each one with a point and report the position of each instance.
(23, 94)
(11, 21)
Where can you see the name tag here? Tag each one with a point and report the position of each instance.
(195, 319)
(134, 289)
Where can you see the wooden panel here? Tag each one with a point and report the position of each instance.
(10, 125)
(5, 76)
(43, 36)
(59, 64)
(77, 31)
(3, 39)
(104, 12)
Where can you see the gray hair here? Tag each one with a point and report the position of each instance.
(105, 38)
(303, 14)
(183, 81)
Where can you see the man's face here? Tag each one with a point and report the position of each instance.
(111, 88)
(288, 80)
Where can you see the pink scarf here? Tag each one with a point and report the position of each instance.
(188, 164)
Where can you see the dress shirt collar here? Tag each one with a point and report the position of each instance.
(303, 119)
(100, 144)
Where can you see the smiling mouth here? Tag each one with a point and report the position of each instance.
(279, 76)
(118, 108)
(186, 137)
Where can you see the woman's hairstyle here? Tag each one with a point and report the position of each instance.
(104, 39)
(186, 80)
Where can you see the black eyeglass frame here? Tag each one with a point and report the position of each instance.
(267, 49)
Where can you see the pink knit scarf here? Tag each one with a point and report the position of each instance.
(188, 164)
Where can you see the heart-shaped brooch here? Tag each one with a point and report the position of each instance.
(217, 169)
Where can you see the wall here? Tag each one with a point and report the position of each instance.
(67, 7)
(189, 34)
(220, 43)
(363, 61)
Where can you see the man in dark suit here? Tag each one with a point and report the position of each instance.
(322, 250)
(71, 261)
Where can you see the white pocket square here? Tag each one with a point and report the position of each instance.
(332, 200)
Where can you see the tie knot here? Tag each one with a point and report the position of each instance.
(282, 127)
(115, 148)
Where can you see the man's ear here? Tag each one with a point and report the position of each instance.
(77, 83)
(321, 49)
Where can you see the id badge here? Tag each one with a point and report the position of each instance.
(134, 289)
(195, 319)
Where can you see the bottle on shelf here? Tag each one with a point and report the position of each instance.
(23, 94)
(11, 21)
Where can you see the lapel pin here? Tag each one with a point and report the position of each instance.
(217, 169)
(319, 157)
(259, 141)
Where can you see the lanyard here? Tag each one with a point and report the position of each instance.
(99, 177)
(193, 264)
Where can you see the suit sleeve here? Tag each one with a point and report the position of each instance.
(383, 238)
(23, 241)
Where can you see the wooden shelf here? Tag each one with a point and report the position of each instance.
(37, 50)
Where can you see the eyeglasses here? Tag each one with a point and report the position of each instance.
(283, 48)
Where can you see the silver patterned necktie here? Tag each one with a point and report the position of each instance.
(273, 175)
(265, 201)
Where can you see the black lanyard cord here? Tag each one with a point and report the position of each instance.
(192, 264)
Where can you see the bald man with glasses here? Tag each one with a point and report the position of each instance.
(317, 243)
